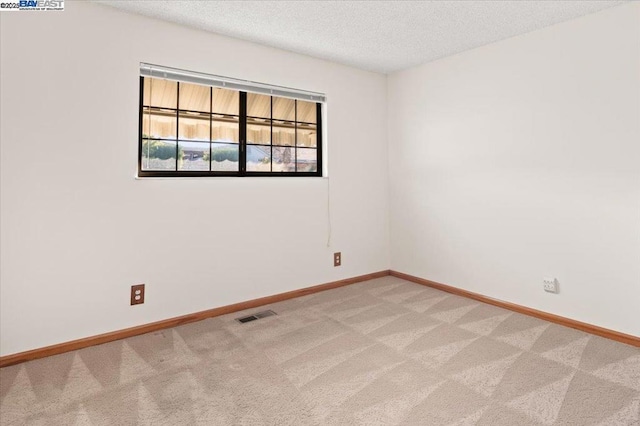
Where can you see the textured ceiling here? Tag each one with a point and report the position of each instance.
(381, 36)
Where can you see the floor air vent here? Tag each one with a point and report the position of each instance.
(256, 316)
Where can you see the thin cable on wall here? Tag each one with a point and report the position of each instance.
(328, 212)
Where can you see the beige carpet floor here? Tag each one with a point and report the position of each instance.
(382, 352)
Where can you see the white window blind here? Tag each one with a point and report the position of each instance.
(157, 71)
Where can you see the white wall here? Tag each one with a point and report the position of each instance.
(509, 163)
(521, 160)
(78, 230)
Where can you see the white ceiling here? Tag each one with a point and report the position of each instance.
(381, 36)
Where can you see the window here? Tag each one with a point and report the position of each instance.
(225, 127)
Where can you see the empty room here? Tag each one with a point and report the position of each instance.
(319, 212)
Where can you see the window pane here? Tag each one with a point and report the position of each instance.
(196, 127)
(158, 124)
(284, 133)
(283, 159)
(226, 101)
(146, 100)
(193, 126)
(225, 131)
(258, 158)
(224, 157)
(258, 105)
(307, 135)
(194, 97)
(193, 156)
(307, 160)
(158, 155)
(160, 93)
(259, 131)
(307, 112)
(284, 109)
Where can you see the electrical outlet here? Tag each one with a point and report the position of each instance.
(550, 285)
(337, 259)
(137, 294)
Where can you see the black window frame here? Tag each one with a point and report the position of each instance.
(242, 144)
